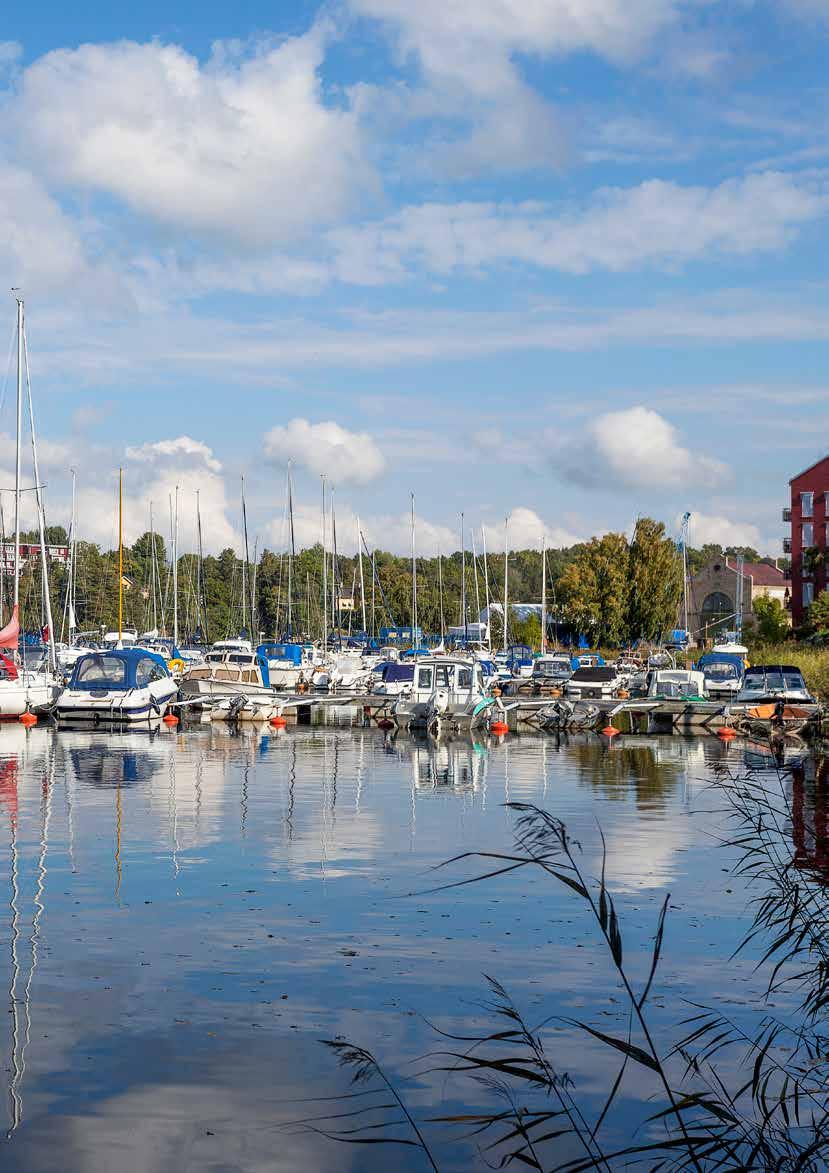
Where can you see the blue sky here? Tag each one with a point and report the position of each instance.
(559, 259)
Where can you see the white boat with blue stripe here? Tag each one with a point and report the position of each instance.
(118, 685)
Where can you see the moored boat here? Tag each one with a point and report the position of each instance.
(117, 685)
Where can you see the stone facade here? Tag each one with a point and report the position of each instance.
(712, 595)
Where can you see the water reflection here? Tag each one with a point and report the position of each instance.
(810, 816)
(187, 913)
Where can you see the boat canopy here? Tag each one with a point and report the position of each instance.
(393, 673)
(118, 670)
(598, 675)
(286, 651)
(712, 658)
(576, 661)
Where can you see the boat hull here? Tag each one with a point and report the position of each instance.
(140, 704)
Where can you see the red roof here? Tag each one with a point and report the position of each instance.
(762, 574)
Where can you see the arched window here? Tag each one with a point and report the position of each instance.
(717, 612)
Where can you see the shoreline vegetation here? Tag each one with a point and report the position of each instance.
(617, 589)
(693, 1088)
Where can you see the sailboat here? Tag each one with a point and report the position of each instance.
(118, 683)
(21, 690)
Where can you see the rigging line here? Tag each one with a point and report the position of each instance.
(12, 341)
(377, 580)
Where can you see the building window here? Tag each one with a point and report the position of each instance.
(807, 535)
(807, 502)
(808, 593)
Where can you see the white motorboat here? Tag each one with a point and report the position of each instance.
(117, 685)
(445, 689)
(290, 665)
(228, 673)
(593, 683)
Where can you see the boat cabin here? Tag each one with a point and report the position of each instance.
(232, 667)
(593, 683)
(556, 666)
(118, 670)
(676, 684)
(773, 682)
(445, 674)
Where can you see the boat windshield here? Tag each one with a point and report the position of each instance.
(104, 671)
(721, 672)
(775, 681)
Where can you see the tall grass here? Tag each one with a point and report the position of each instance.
(723, 1097)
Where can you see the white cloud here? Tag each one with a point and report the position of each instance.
(152, 472)
(181, 452)
(326, 449)
(636, 448)
(472, 39)
(722, 531)
(243, 148)
(39, 246)
(526, 530)
(657, 223)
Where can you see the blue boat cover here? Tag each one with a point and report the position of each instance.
(394, 673)
(720, 658)
(290, 652)
(118, 670)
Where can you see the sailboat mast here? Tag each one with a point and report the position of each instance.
(440, 596)
(486, 588)
(73, 526)
(120, 554)
(506, 578)
(44, 564)
(464, 619)
(153, 572)
(293, 550)
(324, 574)
(202, 593)
(175, 575)
(245, 564)
(16, 599)
(362, 580)
(543, 594)
(414, 577)
(477, 584)
(335, 582)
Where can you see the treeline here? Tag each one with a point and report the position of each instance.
(611, 588)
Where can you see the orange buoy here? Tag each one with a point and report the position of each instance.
(278, 722)
(27, 719)
(170, 719)
(726, 733)
(610, 731)
(499, 728)
(623, 694)
(555, 692)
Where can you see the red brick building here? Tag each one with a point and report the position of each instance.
(807, 544)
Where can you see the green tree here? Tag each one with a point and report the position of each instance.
(772, 622)
(594, 588)
(817, 617)
(655, 581)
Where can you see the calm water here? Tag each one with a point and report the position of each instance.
(185, 916)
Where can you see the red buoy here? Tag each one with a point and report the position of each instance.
(610, 731)
(499, 728)
(726, 733)
(170, 719)
(27, 719)
(278, 722)
(385, 723)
